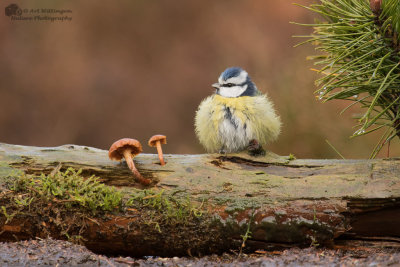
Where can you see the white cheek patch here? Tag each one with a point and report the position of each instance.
(234, 91)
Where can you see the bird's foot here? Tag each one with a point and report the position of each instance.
(255, 149)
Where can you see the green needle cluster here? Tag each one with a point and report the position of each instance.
(359, 59)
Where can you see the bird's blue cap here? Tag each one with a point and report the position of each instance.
(231, 72)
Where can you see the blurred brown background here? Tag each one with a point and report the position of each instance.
(134, 68)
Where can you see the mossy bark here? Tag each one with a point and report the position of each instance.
(282, 202)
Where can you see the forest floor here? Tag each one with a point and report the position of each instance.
(52, 252)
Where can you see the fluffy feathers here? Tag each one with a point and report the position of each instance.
(229, 124)
(235, 115)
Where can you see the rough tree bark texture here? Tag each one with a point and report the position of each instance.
(285, 202)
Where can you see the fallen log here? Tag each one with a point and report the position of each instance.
(222, 202)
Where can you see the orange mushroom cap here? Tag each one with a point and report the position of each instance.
(158, 137)
(116, 150)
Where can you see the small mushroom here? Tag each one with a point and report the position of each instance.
(128, 148)
(157, 141)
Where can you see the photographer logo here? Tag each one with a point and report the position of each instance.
(15, 13)
(13, 10)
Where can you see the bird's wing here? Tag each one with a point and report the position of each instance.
(206, 124)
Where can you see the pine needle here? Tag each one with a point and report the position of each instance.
(337, 151)
(359, 55)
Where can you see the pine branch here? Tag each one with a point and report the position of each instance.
(359, 46)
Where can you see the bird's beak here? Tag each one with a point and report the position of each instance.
(216, 85)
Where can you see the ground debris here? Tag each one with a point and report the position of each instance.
(52, 252)
(290, 257)
(47, 252)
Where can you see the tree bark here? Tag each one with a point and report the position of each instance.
(278, 201)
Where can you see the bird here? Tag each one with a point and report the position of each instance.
(237, 116)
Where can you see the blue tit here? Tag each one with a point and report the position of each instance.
(236, 116)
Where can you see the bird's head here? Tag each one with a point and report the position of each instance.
(235, 82)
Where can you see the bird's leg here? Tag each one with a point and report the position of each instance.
(255, 149)
(222, 151)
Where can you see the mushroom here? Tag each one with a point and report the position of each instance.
(128, 148)
(157, 141)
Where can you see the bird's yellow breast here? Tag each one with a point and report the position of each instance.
(239, 103)
(233, 122)
(240, 106)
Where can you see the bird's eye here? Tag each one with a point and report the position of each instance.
(229, 85)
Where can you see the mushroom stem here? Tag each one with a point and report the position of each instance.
(129, 160)
(160, 154)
